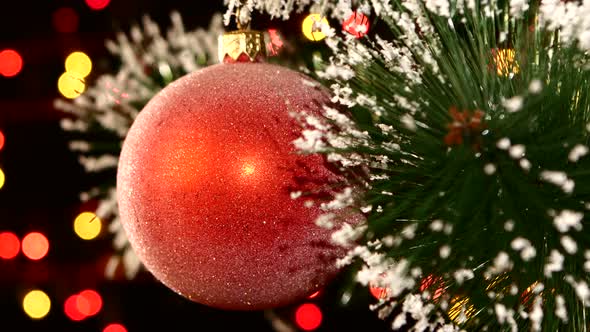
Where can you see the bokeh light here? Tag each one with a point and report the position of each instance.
(9, 245)
(2, 140)
(65, 20)
(36, 304)
(35, 245)
(357, 24)
(11, 63)
(379, 293)
(89, 302)
(312, 27)
(115, 328)
(78, 64)
(308, 316)
(2, 178)
(97, 4)
(70, 86)
(505, 62)
(87, 225)
(71, 309)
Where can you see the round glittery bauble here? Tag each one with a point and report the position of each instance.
(204, 188)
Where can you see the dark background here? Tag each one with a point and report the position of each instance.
(43, 180)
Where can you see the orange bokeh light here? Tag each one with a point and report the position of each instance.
(35, 245)
(308, 316)
(115, 328)
(9, 245)
(11, 63)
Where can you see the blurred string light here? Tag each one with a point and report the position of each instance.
(35, 246)
(313, 25)
(380, 293)
(87, 225)
(78, 64)
(11, 63)
(114, 328)
(71, 309)
(9, 245)
(71, 83)
(357, 24)
(89, 302)
(2, 140)
(36, 304)
(70, 86)
(2, 178)
(97, 4)
(275, 43)
(83, 305)
(65, 20)
(308, 316)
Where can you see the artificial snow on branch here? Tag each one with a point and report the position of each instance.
(471, 120)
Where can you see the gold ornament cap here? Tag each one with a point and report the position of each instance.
(242, 46)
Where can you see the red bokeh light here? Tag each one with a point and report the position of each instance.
(35, 245)
(379, 292)
(357, 24)
(431, 282)
(308, 316)
(97, 4)
(115, 328)
(89, 302)
(9, 245)
(65, 20)
(1, 140)
(276, 42)
(71, 309)
(11, 63)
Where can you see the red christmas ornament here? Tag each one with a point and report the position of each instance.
(204, 183)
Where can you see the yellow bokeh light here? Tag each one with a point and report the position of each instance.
(36, 304)
(78, 64)
(70, 86)
(87, 225)
(2, 178)
(312, 27)
(505, 60)
(461, 309)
